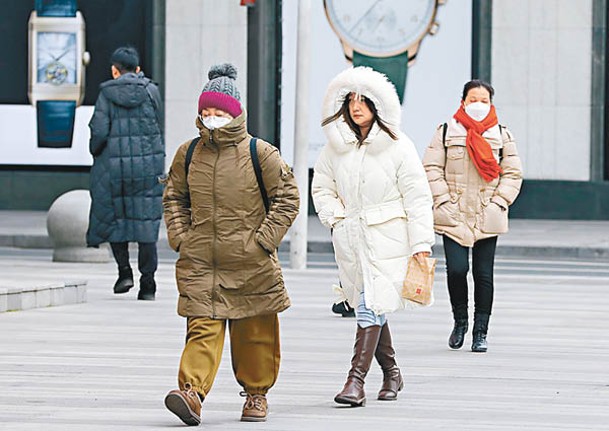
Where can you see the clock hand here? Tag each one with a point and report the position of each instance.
(50, 55)
(64, 53)
(377, 23)
(364, 15)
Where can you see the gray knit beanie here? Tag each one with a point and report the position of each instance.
(221, 91)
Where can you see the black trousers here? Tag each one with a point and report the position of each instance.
(146, 257)
(457, 267)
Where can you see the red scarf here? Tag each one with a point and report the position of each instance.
(479, 149)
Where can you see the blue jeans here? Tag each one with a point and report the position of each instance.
(366, 317)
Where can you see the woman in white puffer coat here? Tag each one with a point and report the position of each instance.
(370, 188)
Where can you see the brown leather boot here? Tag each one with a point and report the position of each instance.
(185, 404)
(255, 408)
(366, 340)
(385, 356)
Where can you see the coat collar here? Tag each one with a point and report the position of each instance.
(456, 130)
(231, 134)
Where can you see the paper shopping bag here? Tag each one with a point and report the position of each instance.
(418, 283)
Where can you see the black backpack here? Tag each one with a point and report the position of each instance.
(255, 162)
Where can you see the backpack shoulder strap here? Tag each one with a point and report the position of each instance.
(258, 172)
(502, 129)
(444, 130)
(189, 152)
(506, 135)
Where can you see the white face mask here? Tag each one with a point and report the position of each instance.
(478, 110)
(212, 122)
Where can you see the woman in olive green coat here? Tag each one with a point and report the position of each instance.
(228, 270)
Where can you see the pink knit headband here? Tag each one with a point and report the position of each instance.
(213, 99)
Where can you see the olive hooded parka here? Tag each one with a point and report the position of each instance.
(228, 266)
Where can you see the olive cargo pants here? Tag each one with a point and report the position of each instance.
(254, 344)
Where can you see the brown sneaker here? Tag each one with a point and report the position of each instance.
(255, 408)
(185, 404)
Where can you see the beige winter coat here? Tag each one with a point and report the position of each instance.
(467, 208)
(228, 266)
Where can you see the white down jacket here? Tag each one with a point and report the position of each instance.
(375, 197)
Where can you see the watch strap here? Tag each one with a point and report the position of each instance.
(55, 120)
(395, 68)
(56, 8)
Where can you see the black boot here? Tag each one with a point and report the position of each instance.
(125, 280)
(479, 344)
(366, 341)
(343, 309)
(147, 288)
(457, 336)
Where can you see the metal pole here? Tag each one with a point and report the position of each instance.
(263, 69)
(298, 236)
(482, 31)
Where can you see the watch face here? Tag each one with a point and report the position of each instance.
(382, 26)
(56, 58)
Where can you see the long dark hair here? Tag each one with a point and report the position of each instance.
(344, 112)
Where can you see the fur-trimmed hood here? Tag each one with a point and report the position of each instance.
(366, 82)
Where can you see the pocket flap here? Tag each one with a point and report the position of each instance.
(455, 152)
(382, 214)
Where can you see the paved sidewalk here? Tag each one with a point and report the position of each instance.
(541, 238)
(106, 365)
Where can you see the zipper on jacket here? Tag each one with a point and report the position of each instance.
(361, 154)
(215, 234)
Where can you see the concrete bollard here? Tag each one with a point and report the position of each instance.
(67, 223)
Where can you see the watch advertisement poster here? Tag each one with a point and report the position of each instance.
(434, 81)
(58, 59)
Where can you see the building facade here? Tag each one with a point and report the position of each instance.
(546, 59)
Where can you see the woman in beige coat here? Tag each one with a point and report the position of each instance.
(475, 174)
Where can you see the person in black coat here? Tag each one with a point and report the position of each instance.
(128, 158)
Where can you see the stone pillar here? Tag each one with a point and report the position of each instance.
(205, 33)
(67, 223)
